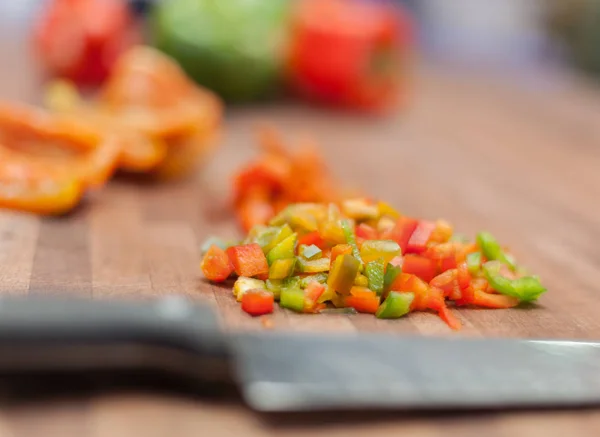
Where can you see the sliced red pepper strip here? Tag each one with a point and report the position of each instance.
(258, 302)
(248, 260)
(419, 238)
(488, 300)
(401, 232)
(448, 283)
(420, 266)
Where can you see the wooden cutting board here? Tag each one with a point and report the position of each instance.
(518, 160)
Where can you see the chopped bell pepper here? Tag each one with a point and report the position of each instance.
(498, 301)
(311, 239)
(213, 241)
(292, 298)
(257, 302)
(312, 293)
(366, 232)
(216, 265)
(332, 232)
(492, 250)
(373, 250)
(317, 277)
(442, 232)
(284, 250)
(420, 237)
(343, 273)
(391, 273)
(340, 249)
(395, 305)
(526, 289)
(243, 284)
(351, 238)
(310, 252)
(360, 209)
(420, 266)
(274, 286)
(312, 266)
(248, 260)
(361, 280)
(401, 232)
(474, 263)
(282, 268)
(362, 300)
(386, 210)
(375, 273)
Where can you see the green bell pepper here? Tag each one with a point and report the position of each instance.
(284, 250)
(292, 298)
(282, 268)
(492, 250)
(274, 286)
(372, 250)
(526, 289)
(375, 273)
(391, 273)
(310, 252)
(321, 278)
(271, 236)
(351, 238)
(234, 47)
(474, 263)
(395, 305)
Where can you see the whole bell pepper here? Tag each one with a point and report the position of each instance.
(348, 53)
(82, 39)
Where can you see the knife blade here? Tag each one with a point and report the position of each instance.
(278, 372)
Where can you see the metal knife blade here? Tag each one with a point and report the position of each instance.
(292, 372)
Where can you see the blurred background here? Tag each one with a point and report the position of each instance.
(500, 36)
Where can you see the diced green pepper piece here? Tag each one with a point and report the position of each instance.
(291, 282)
(351, 238)
(492, 250)
(395, 305)
(391, 273)
(375, 273)
(343, 273)
(313, 266)
(474, 263)
(526, 289)
(274, 286)
(361, 280)
(292, 298)
(360, 209)
(321, 278)
(310, 252)
(282, 268)
(284, 250)
(243, 284)
(372, 250)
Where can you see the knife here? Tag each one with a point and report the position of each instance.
(279, 372)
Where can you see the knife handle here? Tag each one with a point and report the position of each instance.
(42, 335)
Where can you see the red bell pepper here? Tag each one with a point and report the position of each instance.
(310, 239)
(401, 232)
(216, 265)
(258, 302)
(489, 300)
(312, 293)
(362, 300)
(366, 232)
(248, 260)
(348, 52)
(419, 238)
(420, 266)
(81, 39)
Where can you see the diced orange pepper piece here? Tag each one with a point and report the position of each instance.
(248, 260)
(216, 265)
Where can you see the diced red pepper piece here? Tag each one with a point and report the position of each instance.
(464, 277)
(312, 293)
(248, 260)
(419, 238)
(448, 283)
(258, 302)
(420, 266)
(362, 300)
(311, 238)
(216, 265)
(366, 232)
(402, 232)
(488, 300)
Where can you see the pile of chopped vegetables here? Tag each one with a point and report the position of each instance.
(278, 178)
(365, 256)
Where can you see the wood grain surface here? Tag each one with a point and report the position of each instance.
(517, 157)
